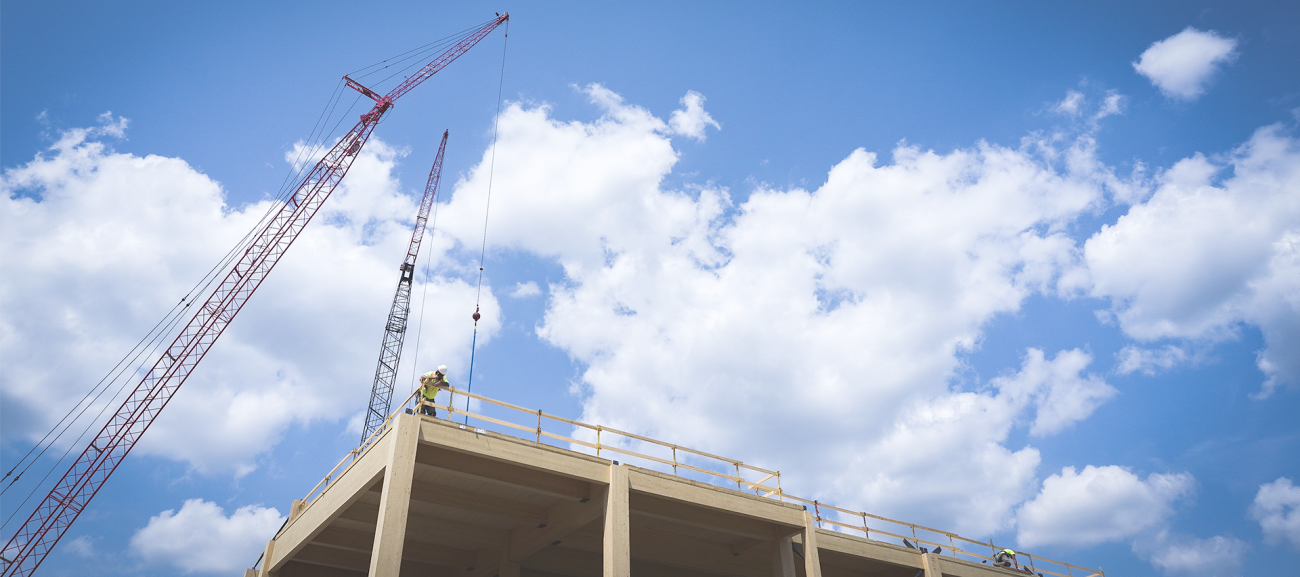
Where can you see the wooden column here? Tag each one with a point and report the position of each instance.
(395, 501)
(266, 559)
(618, 543)
(812, 565)
(506, 567)
(783, 557)
(930, 561)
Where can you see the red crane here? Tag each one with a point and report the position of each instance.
(41, 532)
(390, 353)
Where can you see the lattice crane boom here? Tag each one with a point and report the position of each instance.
(390, 352)
(25, 551)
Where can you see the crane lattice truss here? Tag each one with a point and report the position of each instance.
(47, 524)
(390, 353)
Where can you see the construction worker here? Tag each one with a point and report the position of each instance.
(430, 383)
(1006, 558)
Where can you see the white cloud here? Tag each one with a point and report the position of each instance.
(525, 290)
(82, 546)
(1205, 253)
(1181, 65)
(1098, 505)
(1111, 105)
(1061, 395)
(692, 120)
(97, 245)
(1277, 508)
(735, 326)
(200, 538)
(1218, 556)
(1133, 359)
(1071, 105)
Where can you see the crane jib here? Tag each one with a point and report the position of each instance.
(38, 535)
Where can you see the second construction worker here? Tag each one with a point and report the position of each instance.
(1006, 558)
(430, 383)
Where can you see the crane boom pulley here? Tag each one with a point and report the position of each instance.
(38, 535)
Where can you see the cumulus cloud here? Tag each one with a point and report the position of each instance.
(200, 538)
(1181, 65)
(1060, 394)
(1071, 105)
(1098, 505)
(1148, 361)
(1217, 556)
(734, 326)
(97, 245)
(1277, 508)
(82, 546)
(1076, 105)
(1205, 253)
(692, 120)
(525, 290)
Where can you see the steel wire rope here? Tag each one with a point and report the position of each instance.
(77, 442)
(314, 147)
(407, 67)
(154, 338)
(311, 137)
(487, 208)
(444, 40)
(424, 295)
(133, 354)
(172, 318)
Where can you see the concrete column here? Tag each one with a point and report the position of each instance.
(618, 542)
(812, 565)
(783, 557)
(930, 561)
(395, 501)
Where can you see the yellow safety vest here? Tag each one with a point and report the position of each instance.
(430, 388)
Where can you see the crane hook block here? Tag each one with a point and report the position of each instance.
(475, 316)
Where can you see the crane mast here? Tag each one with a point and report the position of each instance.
(29, 546)
(390, 353)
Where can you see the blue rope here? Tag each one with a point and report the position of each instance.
(470, 387)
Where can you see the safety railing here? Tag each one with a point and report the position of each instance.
(690, 463)
(932, 540)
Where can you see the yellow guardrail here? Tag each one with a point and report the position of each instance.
(841, 520)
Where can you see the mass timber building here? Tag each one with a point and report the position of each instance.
(427, 496)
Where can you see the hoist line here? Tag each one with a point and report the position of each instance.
(487, 209)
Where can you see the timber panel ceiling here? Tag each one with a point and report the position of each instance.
(470, 502)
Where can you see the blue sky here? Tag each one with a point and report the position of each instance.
(1039, 264)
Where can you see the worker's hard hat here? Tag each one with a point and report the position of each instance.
(442, 369)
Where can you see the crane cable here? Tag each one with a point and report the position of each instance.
(487, 207)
